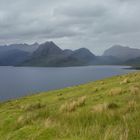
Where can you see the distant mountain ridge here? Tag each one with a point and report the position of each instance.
(22, 47)
(13, 57)
(48, 54)
(124, 53)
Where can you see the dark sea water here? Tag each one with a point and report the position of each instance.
(16, 82)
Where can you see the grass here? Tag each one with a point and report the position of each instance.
(73, 105)
(107, 109)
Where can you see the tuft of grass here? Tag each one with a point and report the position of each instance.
(81, 101)
(116, 133)
(115, 91)
(73, 105)
(132, 106)
(134, 90)
(100, 108)
(68, 107)
(125, 81)
(26, 119)
(112, 106)
(102, 82)
(48, 123)
(32, 106)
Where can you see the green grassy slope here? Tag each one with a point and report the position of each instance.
(104, 110)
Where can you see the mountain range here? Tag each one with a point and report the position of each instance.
(48, 54)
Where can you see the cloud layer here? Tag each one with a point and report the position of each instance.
(95, 24)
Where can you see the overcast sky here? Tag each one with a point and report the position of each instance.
(94, 24)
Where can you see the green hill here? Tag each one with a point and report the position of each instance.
(103, 110)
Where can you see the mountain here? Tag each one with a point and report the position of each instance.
(84, 55)
(49, 54)
(22, 47)
(47, 49)
(123, 53)
(67, 52)
(13, 57)
(79, 57)
(15, 54)
(106, 60)
(134, 61)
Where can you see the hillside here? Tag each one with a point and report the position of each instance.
(134, 61)
(13, 57)
(103, 110)
(123, 53)
(50, 55)
(23, 47)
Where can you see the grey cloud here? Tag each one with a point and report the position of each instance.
(83, 11)
(71, 23)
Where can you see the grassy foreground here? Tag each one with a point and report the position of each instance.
(104, 110)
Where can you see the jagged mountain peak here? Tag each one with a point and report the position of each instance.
(83, 52)
(49, 45)
(47, 49)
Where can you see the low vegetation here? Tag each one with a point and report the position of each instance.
(73, 105)
(103, 110)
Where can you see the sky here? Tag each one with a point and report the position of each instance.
(71, 24)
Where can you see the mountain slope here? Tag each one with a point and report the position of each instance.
(49, 54)
(106, 60)
(13, 57)
(84, 55)
(123, 53)
(22, 47)
(134, 61)
(47, 49)
(108, 109)
(46, 55)
(16, 54)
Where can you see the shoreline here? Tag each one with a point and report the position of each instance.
(59, 89)
(133, 68)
